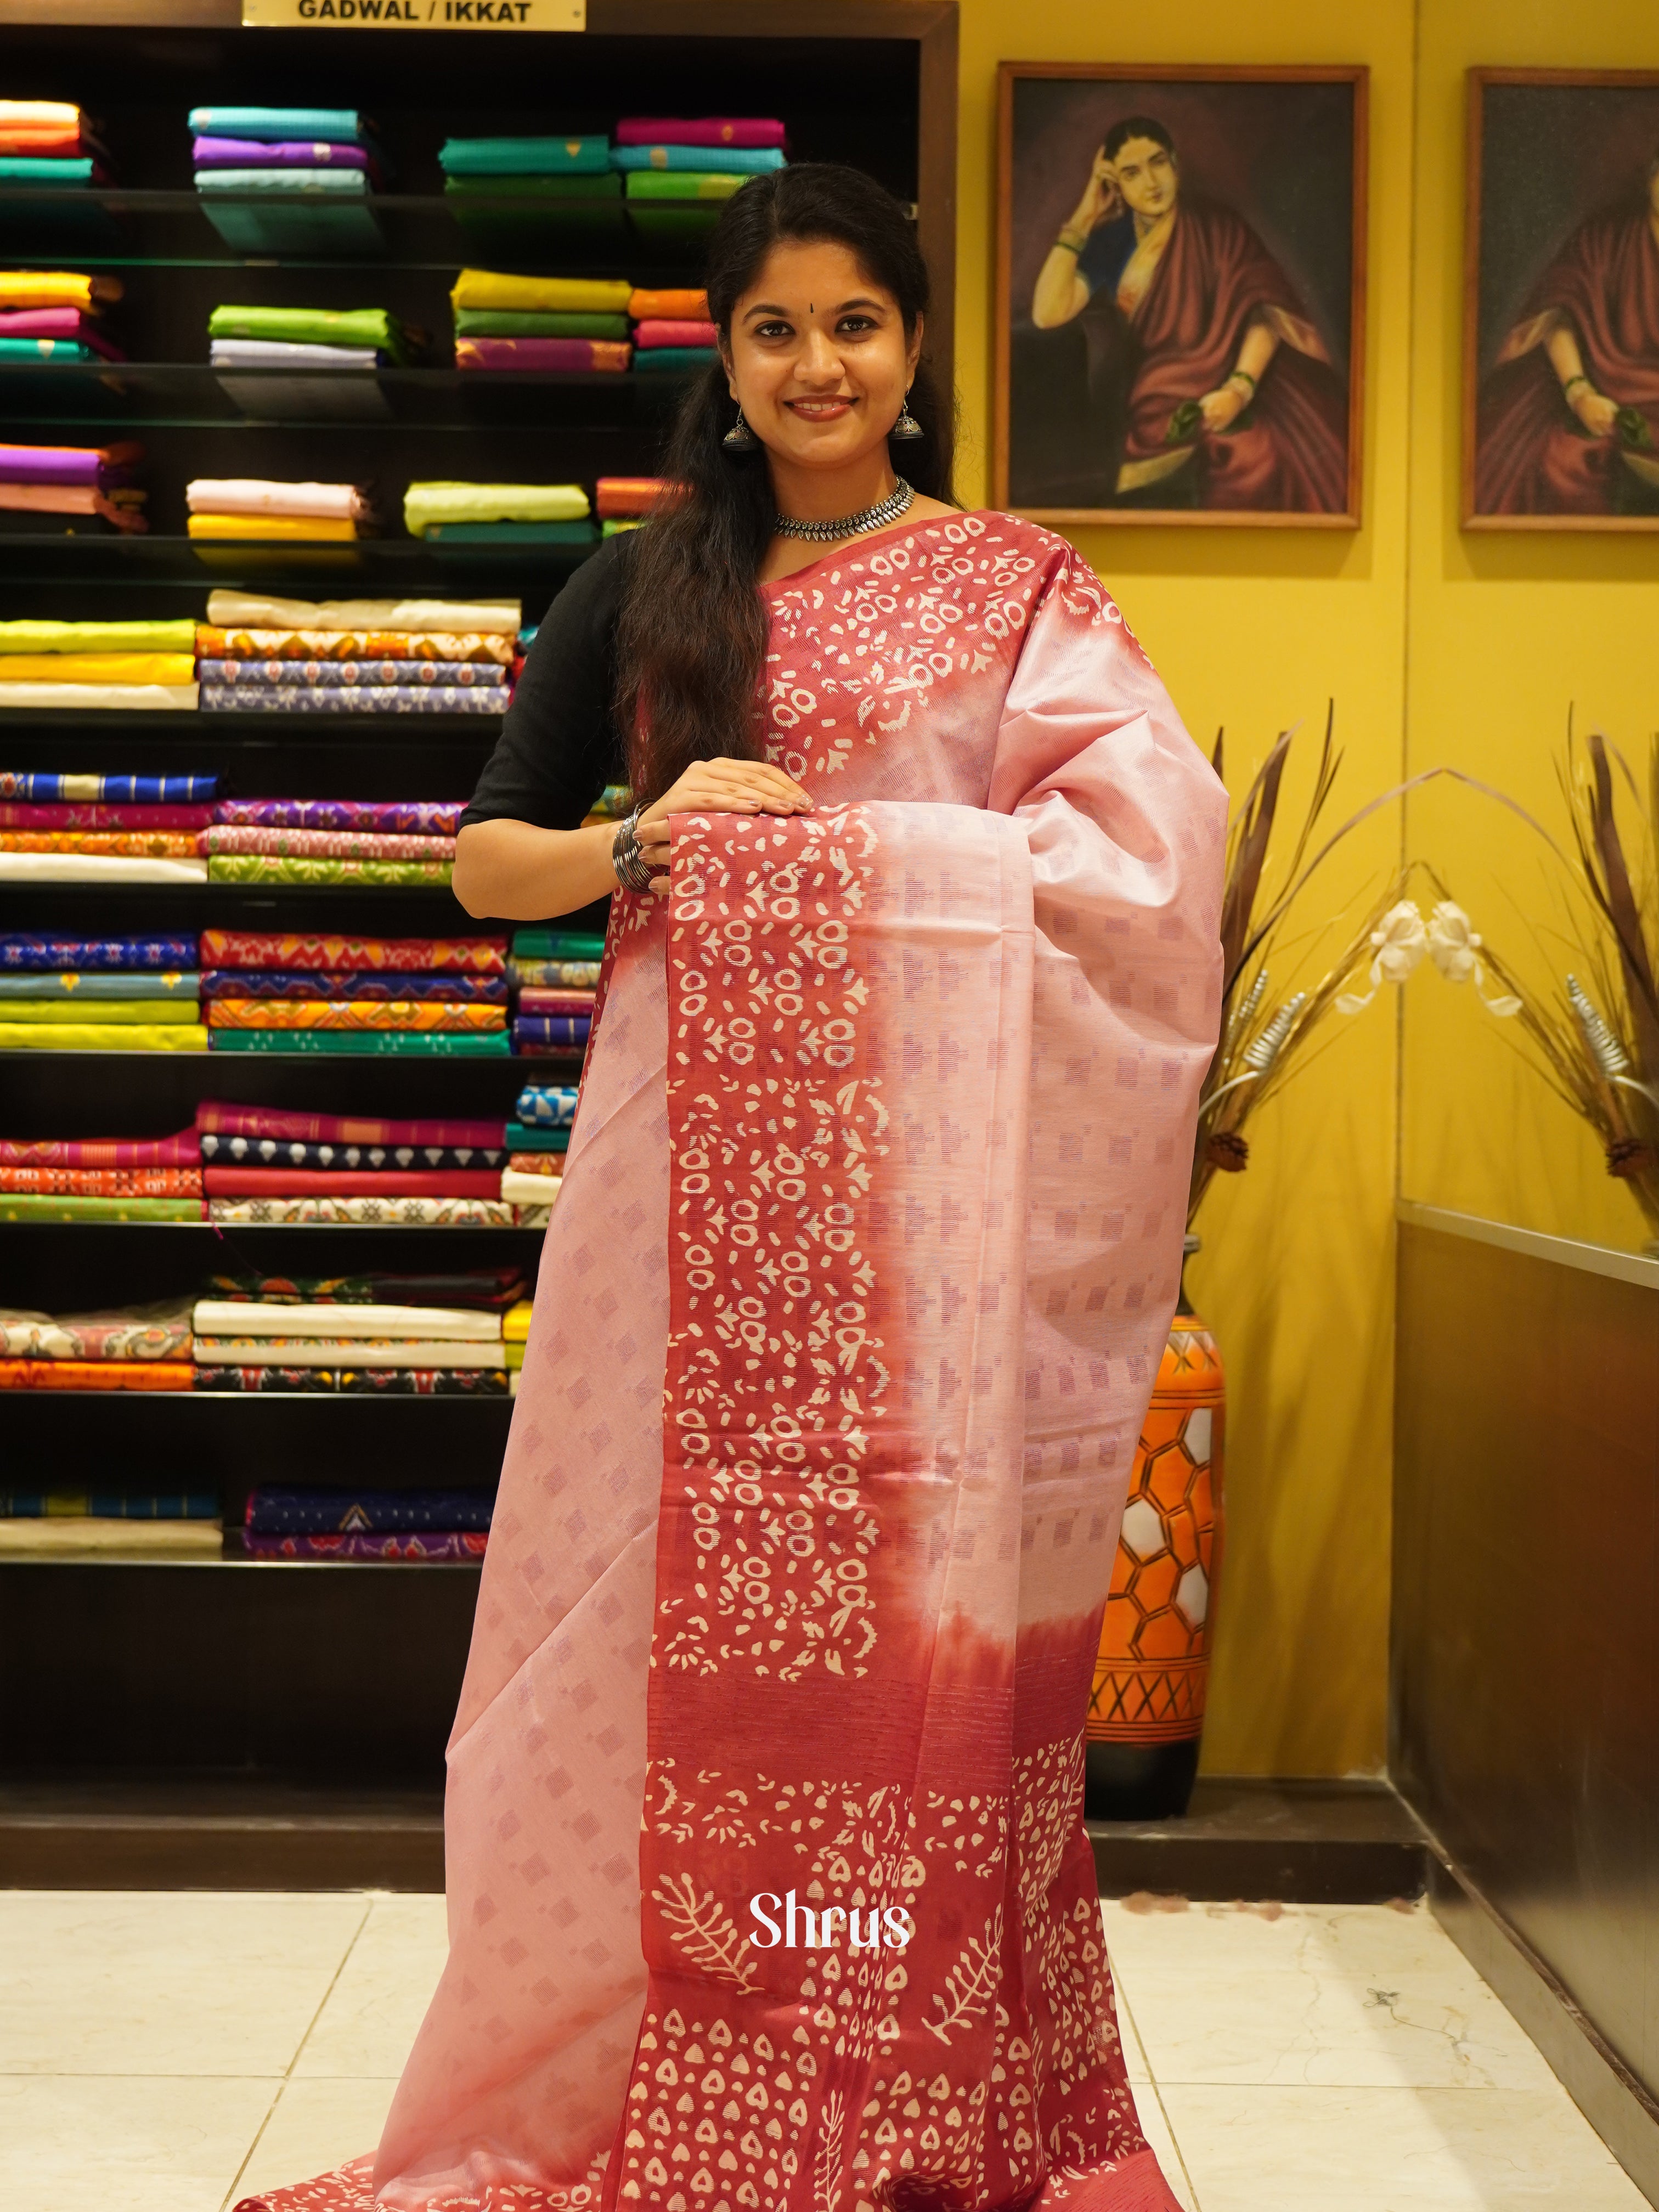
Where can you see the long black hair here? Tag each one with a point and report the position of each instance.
(692, 640)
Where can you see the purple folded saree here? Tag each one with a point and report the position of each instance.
(344, 983)
(62, 464)
(456, 1544)
(277, 154)
(408, 817)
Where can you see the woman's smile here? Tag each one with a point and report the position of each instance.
(822, 411)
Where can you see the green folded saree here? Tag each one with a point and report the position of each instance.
(503, 323)
(682, 184)
(37, 1206)
(346, 326)
(427, 503)
(262, 868)
(447, 1044)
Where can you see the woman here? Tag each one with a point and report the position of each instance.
(768, 1886)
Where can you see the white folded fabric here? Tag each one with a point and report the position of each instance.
(237, 1317)
(332, 503)
(156, 696)
(284, 353)
(344, 1351)
(96, 868)
(518, 1188)
(247, 610)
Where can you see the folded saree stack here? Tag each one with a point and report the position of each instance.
(100, 1178)
(417, 1526)
(59, 1523)
(284, 992)
(44, 142)
(281, 1343)
(99, 664)
(331, 841)
(672, 333)
(530, 194)
(290, 1168)
(552, 1014)
(56, 314)
(499, 515)
(565, 324)
(57, 828)
(679, 172)
(71, 489)
(259, 510)
(537, 1139)
(132, 1348)
(276, 179)
(306, 338)
(357, 656)
(69, 993)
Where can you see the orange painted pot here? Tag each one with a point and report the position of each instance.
(1146, 1711)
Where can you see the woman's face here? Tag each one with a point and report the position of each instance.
(1147, 177)
(819, 361)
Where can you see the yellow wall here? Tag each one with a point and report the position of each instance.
(1256, 630)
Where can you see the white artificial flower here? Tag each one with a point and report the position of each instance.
(1454, 944)
(1400, 940)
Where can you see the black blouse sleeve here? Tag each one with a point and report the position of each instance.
(560, 745)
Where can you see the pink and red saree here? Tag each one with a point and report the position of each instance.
(880, 1169)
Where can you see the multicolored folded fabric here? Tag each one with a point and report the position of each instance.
(346, 983)
(422, 1014)
(525, 157)
(521, 1137)
(96, 1375)
(520, 1189)
(555, 945)
(158, 1331)
(629, 495)
(251, 868)
(491, 1289)
(322, 844)
(59, 815)
(416, 1549)
(335, 1182)
(527, 323)
(216, 643)
(101, 1036)
(249, 610)
(561, 1029)
(239, 948)
(289, 1154)
(547, 1106)
(121, 1013)
(99, 667)
(662, 333)
(218, 1118)
(414, 818)
(359, 1213)
(65, 989)
(183, 1151)
(364, 1382)
(706, 130)
(333, 1319)
(40, 785)
(727, 159)
(104, 1182)
(119, 844)
(20, 1205)
(284, 1512)
(351, 699)
(544, 356)
(555, 974)
(34, 949)
(96, 868)
(386, 675)
(571, 295)
(418, 1044)
(537, 1001)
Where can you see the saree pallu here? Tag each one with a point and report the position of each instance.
(20, 1206)
(349, 983)
(100, 1036)
(350, 1183)
(416, 1550)
(273, 1511)
(476, 647)
(63, 989)
(119, 844)
(403, 818)
(555, 974)
(162, 1331)
(272, 1152)
(224, 1120)
(354, 699)
(324, 844)
(352, 1014)
(29, 950)
(96, 1375)
(354, 675)
(103, 1182)
(62, 816)
(240, 948)
(436, 1044)
(39, 786)
(255, 868)
(360, 1212)
(181, 1150)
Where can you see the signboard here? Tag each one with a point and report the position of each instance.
(417, 14)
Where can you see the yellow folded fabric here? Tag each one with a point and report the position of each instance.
(514, 1355)
(436, 502)
(56, 287)
(568, 295)
(132, 1013)
(515, 1322)
(100, 667)
(315, 528)
(89, 1036)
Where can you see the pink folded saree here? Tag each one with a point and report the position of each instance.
(869, 1234)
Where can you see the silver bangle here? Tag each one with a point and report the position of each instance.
(633, 870)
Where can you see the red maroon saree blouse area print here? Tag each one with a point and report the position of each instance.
(879, 1163)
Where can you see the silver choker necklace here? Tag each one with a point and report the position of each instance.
(849, 525)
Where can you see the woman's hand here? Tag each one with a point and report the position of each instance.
(1223, 406)
(1594, 409)
(718, 787)
(1100, 201)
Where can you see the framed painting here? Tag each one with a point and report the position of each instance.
(1561, 300)
(1180, 294)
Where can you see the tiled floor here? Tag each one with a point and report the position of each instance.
(170, 2052)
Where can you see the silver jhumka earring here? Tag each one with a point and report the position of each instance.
(740, 438)
(907, 426)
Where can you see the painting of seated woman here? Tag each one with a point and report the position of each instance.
(1180, 311)
(1562, 351)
